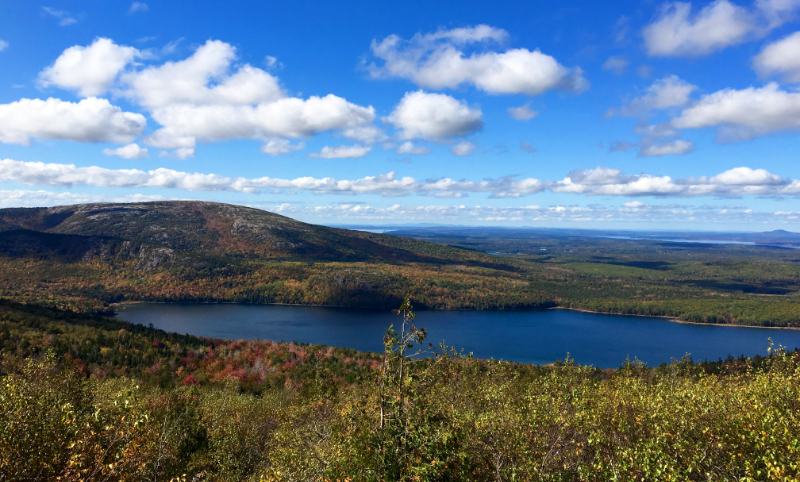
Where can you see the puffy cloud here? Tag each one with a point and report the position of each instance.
(341, 152)
(463, 148)
(276, 147)
(200, 99)
(183, 153)
(189, 81)
(743, 114)
(602, 181)
(204, 99)
(666, 93)
(185, 124)
(365, 133)
(716, 26)
(739, 181)
(616, 64)
(64, 17)
(68, 175)
(89, 70)
(409, 148)
(437, 61)
(742, 176)
(670, 91)
(780, 58)
(3, 45)
(523, 112)
(777, 12)
(434, 117)
(90, 120)
(666, 149)
(131, 151)
(138, 7)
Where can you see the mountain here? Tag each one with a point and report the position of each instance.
(206, 228)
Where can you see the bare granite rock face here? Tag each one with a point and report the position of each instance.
(152, 258)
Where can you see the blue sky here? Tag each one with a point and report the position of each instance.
(610, 115)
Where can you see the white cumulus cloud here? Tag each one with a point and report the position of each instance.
(671, 91)
(778, 12)
(745, 113)
(434, 117)
(90, 120)
(389, 184)
(89, 70)
(206, 97)
(3, 45)
(780, 58)
(202, 79)
(131, 151)
(438, 60)
(341, 152)
(678, 33)
(602, 181)
(720, 24)
(275, 147)
(740, 181)
(463, 148)
(184, 124)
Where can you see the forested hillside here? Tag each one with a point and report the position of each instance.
(90, 398)
(87, 257)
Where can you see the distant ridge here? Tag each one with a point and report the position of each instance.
(204, 228)
(85, 257)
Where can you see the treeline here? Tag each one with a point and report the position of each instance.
(92, 286)
(70, 411)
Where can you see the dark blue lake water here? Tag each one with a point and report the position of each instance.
(523, 336)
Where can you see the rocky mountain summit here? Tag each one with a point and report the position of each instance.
(163, 233)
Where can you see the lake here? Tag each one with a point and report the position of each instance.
(538, 337)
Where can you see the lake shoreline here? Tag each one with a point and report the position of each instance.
(536, 337)
(673, 319)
